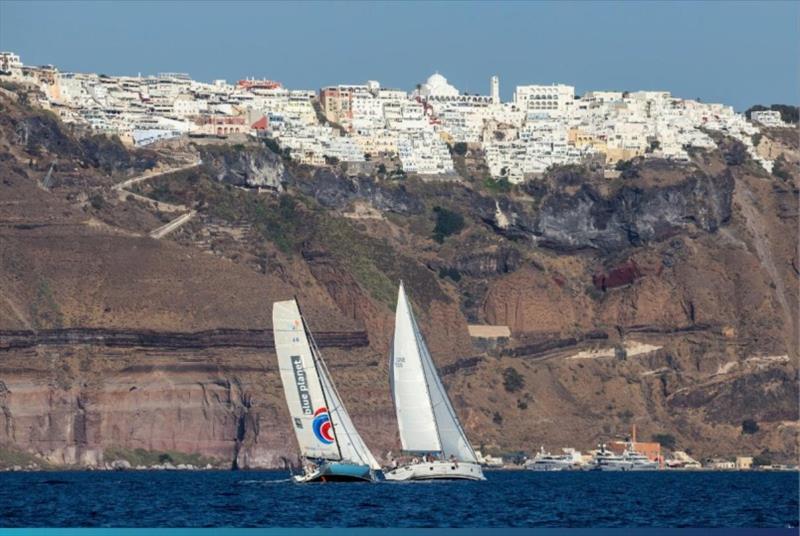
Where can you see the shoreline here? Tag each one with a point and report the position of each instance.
(143, 469)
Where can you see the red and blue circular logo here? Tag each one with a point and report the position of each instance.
(323, 428)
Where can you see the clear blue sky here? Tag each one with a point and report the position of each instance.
(737, 53)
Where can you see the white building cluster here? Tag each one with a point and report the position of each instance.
(543, 125)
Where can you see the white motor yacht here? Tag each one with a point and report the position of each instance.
(544, 461)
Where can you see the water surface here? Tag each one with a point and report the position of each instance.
(506, 499)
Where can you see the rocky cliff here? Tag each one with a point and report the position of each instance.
(665, 298)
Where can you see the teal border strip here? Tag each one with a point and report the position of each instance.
(394, 532)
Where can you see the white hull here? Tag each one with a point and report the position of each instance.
(628, 467)
(550, 467)
(436, 470)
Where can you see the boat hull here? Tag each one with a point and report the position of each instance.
(437, 470)
(628, 467)
(338, 472)
(550, 467)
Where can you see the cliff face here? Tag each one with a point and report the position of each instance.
(245, 167)
(665, 299)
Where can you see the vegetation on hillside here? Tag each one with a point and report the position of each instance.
(10, 457)
(448, 223)
(789, 113)
(513, 381)
(148, 458)
(667, 440)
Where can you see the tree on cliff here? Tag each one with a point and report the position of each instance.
(447, 223)
(512, 380)
(789, 114)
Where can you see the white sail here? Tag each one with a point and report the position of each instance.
(351, 445)
(412, 402)
(425, 416)
(328, 432)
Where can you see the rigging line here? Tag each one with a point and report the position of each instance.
(357, 446)
(357, 443)
(440, 388)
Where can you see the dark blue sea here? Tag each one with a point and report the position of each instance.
(506, 499)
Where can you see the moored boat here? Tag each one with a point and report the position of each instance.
(570, 460)
(629, 460)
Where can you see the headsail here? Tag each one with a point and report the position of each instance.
(425, 416)
(351, 445)
(409, 387)
(321, 422)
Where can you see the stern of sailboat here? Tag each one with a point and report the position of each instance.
(338, 472)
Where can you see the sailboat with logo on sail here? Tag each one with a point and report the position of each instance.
(427, 422)
(329, 443)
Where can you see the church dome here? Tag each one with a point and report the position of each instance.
(437, 86)
(437, 80)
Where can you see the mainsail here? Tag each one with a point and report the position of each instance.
(321, 423)
(425, 417)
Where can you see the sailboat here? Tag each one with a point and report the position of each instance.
(427, 422)
(329, 443)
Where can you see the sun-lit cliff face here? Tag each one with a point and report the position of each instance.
(665, 299)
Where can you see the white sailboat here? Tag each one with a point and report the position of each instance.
(427, 422)
(328, 441)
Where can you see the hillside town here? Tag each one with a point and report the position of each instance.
(543, 125)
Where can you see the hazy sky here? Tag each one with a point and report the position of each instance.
(737, 53)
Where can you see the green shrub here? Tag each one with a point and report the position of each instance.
(625, 416)
(149, 458)
(283, 225)
(749, 426)
(781, 169)
(512, 380)
(452, 273)
(501, 185)
(460, 148)
(761, 460)
(447, 223)
(272, 145)
(97, 201)
(789, 113)
(627, 169)
(667, 440)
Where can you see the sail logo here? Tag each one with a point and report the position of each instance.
(323, 429)
(301, 381)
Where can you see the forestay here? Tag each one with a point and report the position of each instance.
(425, 417)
